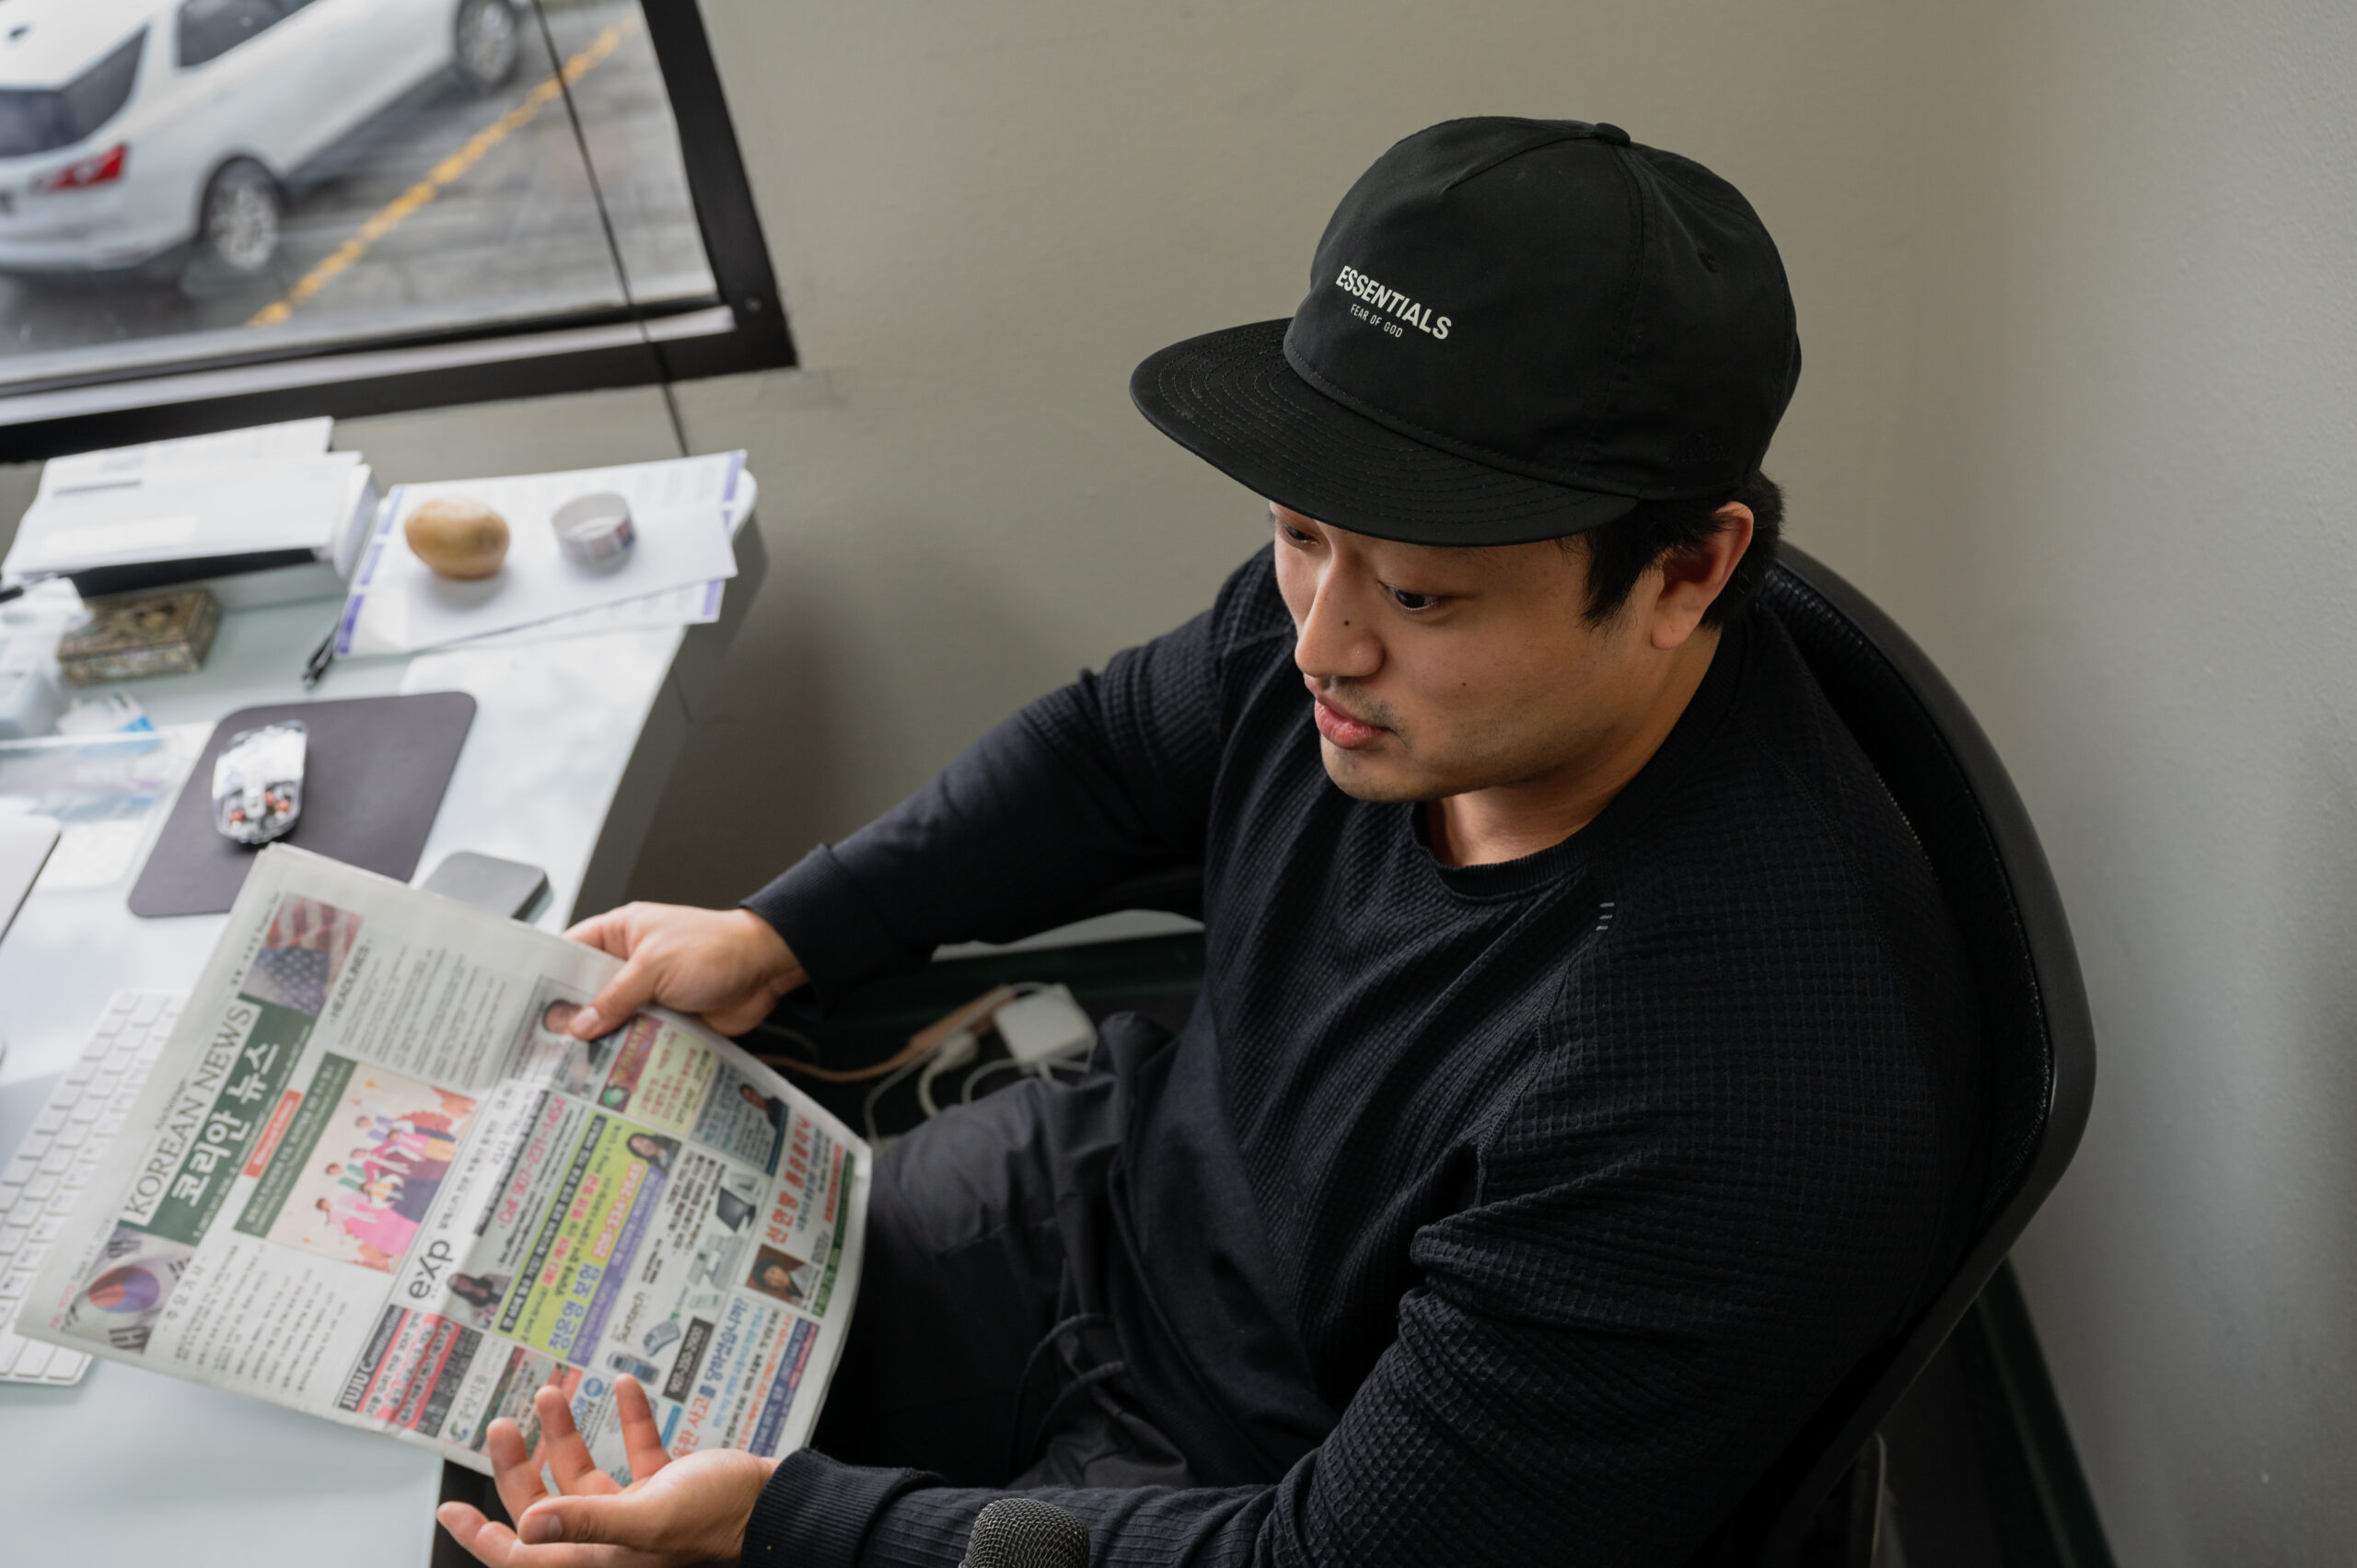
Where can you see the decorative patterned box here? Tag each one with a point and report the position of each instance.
(140, 634)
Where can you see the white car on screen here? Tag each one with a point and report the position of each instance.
(151, 133)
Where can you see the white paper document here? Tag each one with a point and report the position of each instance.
(186, 511)
(121, 465)
(697, 604)
(372, 1178)
(678, 511)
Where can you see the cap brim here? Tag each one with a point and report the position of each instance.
(1231, 398)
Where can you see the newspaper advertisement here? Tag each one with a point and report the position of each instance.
(374, 1178)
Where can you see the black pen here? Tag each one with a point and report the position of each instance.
(322, 656)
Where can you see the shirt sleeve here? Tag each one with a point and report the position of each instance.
(1109, 777)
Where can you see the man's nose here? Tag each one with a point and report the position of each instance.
(1336, 640)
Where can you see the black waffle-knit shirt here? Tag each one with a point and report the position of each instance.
(1513, 1213)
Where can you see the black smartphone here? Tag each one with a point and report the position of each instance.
(506, 887)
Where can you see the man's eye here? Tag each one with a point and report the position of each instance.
(1293, 534)
(1407, 600)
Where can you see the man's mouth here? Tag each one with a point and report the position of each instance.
(1341, 729)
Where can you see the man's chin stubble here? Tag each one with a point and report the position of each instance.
(1360, 782)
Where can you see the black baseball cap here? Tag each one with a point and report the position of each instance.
(1516, 330)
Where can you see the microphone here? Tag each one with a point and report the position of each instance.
(1023, 1532)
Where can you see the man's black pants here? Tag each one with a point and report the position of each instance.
(981, 1349)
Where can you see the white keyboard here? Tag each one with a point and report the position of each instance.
(38, 1187)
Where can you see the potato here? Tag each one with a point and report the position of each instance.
(458, 538)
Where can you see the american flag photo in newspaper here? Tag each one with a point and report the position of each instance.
(301, 953)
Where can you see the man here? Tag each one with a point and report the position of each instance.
(1581, 1080)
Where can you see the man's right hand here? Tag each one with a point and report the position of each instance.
(728, 966)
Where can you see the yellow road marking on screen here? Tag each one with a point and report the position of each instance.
(442, 176)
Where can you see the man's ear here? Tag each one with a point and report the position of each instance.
(1692, 580)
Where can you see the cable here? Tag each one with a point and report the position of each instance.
(605, 222)
(868, 1106)
(797, 1036)
(1046, 1068)
(965, 1096)
(943, 1046)
(952, 1055)
(915, 1051)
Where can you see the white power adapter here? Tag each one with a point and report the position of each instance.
(1044, 1026)
(1040, 1028)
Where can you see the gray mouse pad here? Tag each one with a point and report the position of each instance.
(372, 784)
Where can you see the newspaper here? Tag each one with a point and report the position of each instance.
(372, 1178)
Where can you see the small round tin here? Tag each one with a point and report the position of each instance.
(595, 530)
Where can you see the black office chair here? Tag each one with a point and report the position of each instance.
(2038, 1077)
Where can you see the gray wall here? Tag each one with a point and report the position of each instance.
(2075, 288)
(2130, 445)
(983, 216)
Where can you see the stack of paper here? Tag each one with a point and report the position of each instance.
(682, 511)
(263, 514)
(258, 443)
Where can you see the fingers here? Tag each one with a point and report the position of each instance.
(491, 1543)
(623, 994)
(608, 933)
(513, 1468)
(634, 1519)
(642, 1438)
(730, 965)
(472, 1532)
(694, 1510)
(568, 1455)
(497, 1545)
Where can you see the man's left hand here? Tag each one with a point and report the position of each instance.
(672, 1513)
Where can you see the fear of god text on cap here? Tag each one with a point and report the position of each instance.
(1420, 317)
